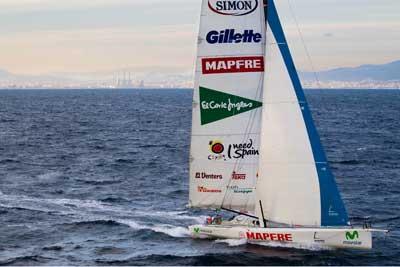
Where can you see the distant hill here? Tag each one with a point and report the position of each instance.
(381, 73)
(385, 76)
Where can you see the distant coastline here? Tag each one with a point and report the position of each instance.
(384, 76)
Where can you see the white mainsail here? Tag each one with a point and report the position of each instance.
(295, 184)
(227, 105)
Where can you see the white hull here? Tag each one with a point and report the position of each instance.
(353, 238)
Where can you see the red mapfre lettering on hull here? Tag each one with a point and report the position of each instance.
(232, 64)
(269, 236)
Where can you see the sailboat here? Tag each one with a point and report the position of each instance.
(255, 150)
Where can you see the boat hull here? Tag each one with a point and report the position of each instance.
(324, 237)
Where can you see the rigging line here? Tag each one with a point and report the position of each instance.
(255, 113)
(250, 124)
(229, 55)
(238, 164)
(240, 213)
(304, 44)
(226, 135)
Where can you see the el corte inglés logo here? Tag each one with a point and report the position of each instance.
(215, 105)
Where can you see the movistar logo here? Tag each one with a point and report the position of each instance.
(196, 230)
(215, 105)
(352, 235)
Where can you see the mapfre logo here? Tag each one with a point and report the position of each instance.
(233, 7)
(232, 65)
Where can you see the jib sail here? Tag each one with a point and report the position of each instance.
(296, 185)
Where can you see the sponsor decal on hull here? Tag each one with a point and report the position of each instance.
(232, 65)
(215, 105)
(230, 36)
(352, 235)
(234, 151)
(206, 176)
(233, 7)
(269, 236)
(352, 238)
(198, 230)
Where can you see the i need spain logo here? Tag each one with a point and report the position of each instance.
(215, 105)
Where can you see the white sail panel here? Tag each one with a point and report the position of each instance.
(227, 105)
(288, 185)
(226, 178)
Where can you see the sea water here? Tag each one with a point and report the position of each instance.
(100, 177)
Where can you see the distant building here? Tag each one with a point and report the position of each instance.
(123, 79)
(141, 84)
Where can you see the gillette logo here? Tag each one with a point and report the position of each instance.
(229, 36)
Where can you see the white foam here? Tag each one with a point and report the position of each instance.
(49, 176)
(91, 210)
(171, 230)
(312, 247)
(56, 204)
(174, 231)
(132, 224)
(94, 204)
(176, 215)
(233, 242)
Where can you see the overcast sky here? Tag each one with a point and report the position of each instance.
(50, 36)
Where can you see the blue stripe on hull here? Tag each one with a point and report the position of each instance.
(333, 211)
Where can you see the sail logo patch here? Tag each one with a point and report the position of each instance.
(232, 65)
(235, 151)
(233, 7)
(238, 190)
(238, 176)
(217, 147)
(229, 36)
(203, 189)
(215, 105)
(206, 176)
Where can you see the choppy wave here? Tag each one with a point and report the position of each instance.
(207, 259)
(26, 260)
(174, 231)
(49, 176)
(241, 242)
(348, 162)
(232, 242)
(311, 247)
(86, 217)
